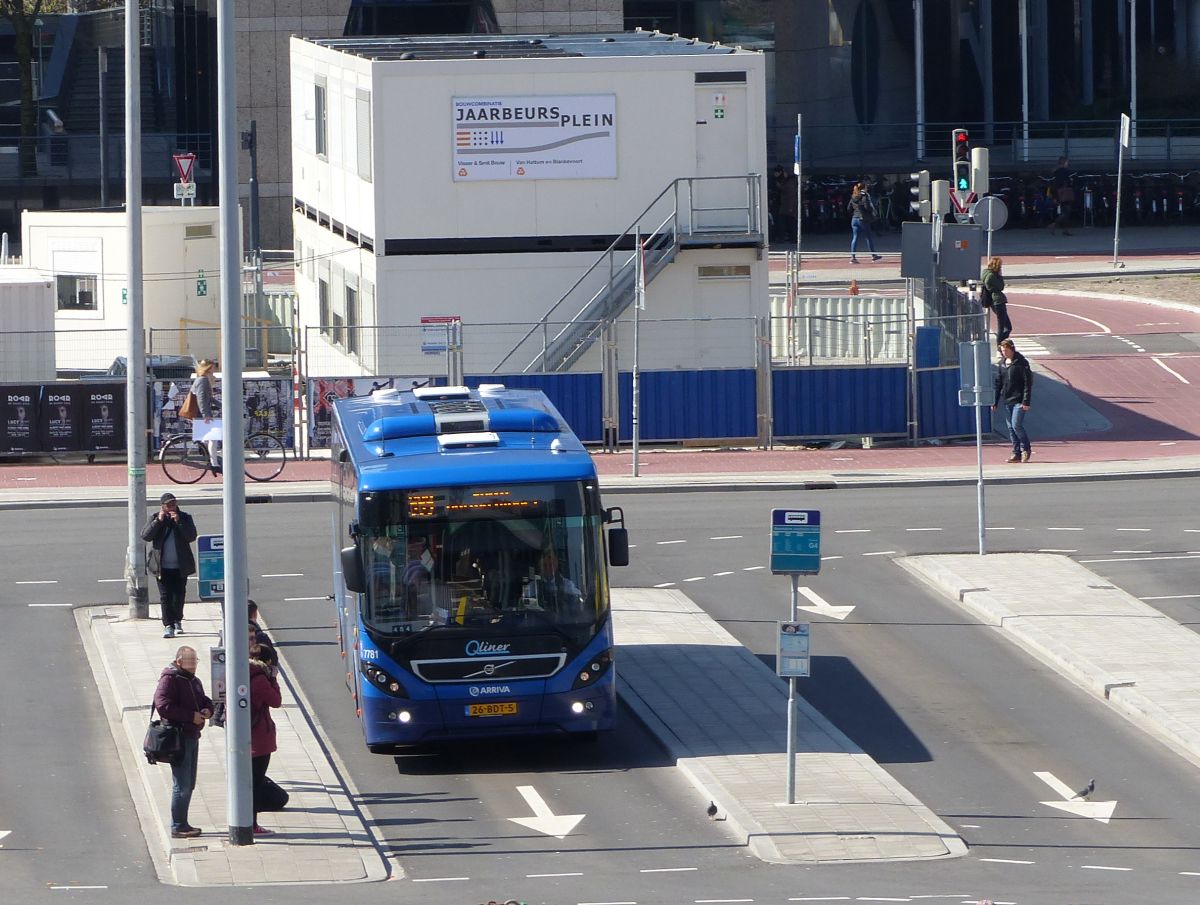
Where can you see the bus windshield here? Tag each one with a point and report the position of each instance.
(515, 555)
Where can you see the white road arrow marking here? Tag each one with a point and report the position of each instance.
(4, 833)
(544, 820)
(1093, 810)
(822, 608)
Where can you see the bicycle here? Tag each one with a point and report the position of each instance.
(185, 461)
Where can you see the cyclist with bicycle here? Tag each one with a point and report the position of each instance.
(202, 389)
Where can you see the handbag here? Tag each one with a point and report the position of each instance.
(164, 740)
(190, 408)
(1066, 195)
(154, 562)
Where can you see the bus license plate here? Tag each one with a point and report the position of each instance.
(498, 708)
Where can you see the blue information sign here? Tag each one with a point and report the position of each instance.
(795, 541)
(211, 566)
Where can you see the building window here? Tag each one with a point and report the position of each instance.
(723, 272)
(77, 292)
(198, 231)
(362, 104)
(323, 300)
(319, 116)
(351, 320)
(298, 266)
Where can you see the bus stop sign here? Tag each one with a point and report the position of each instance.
(795, 541)
(211, 566)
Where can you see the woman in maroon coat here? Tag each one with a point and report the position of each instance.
(264, 694)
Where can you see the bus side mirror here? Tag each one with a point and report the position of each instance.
(352, 570)
(618, 546)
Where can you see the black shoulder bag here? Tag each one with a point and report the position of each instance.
(164, 740)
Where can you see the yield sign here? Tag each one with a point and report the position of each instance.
(184, 163)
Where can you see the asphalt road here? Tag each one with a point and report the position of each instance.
(948, 707)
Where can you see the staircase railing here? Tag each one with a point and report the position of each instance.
(674, 215)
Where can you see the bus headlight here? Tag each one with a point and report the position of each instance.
(382, 680)
(594, 668)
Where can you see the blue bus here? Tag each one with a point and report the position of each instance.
(470, 573)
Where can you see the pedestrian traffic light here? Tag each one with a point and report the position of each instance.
(961, 142)
(919, 204)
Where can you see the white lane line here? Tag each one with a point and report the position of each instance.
(969, 826)
(1170, 371)
(753, 568)
(606, 903)
(821, 899)
(78, 887)
(1053, 550)
(1099, 326)
(436, 879)
(1133, 529)
(663, 543)
(48, 604)
(1145, 558)
(720, 574)
(1173, 597)
(880, 553)
(665, 584)
(697, 578)
(881, 899)
(1002, 529)
(43, 581)
(283, 575)
(1102, 867)
(726, 537)
(823, 558)
(1135, 552)
(1191, 530)
(109, 580)
(665, 870)
(922, 529)
(1006, 861)
(536, 876)
(1064, 529)
(715, 901)
(853, 531)
(1189, 873)
(294, 599)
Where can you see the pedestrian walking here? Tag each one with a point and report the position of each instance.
(991, 295)
(1063, 188)
(264, 694)
(171, 531)
(202, 389)
(180, 698)
(1014, 390)
(862, 215)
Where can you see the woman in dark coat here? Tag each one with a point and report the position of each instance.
(992, 296)
(180, 698)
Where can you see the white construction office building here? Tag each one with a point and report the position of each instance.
(507, 181)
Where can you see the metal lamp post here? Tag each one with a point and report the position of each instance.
(37, 126)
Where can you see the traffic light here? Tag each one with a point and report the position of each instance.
(919, 204)
(961, 143)
(979, 171)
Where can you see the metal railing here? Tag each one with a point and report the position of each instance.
(694, 206)
(1014, 145)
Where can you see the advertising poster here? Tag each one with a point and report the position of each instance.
(548, 137)
(62, 418)
(267, 401)
(103, 417)
(19, 417)
(322, 391)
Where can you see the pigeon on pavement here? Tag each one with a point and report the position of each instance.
(711, 810)
(1086, 790)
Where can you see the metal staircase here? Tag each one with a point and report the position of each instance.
(698, 212)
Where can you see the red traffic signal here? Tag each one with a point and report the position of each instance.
(962, 145)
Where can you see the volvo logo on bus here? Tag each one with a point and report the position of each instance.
(477, 690)
(480, 648)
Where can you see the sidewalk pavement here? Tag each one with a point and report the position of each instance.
(726, 727)
(1105, 640)
(322, 836)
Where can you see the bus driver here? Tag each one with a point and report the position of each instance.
(554, 590)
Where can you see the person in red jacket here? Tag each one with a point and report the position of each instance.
(180, 698)
(264, 694)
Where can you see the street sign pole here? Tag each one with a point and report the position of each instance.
(979, 442)
(795, 551)
(1122, 144)
(791, 715)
